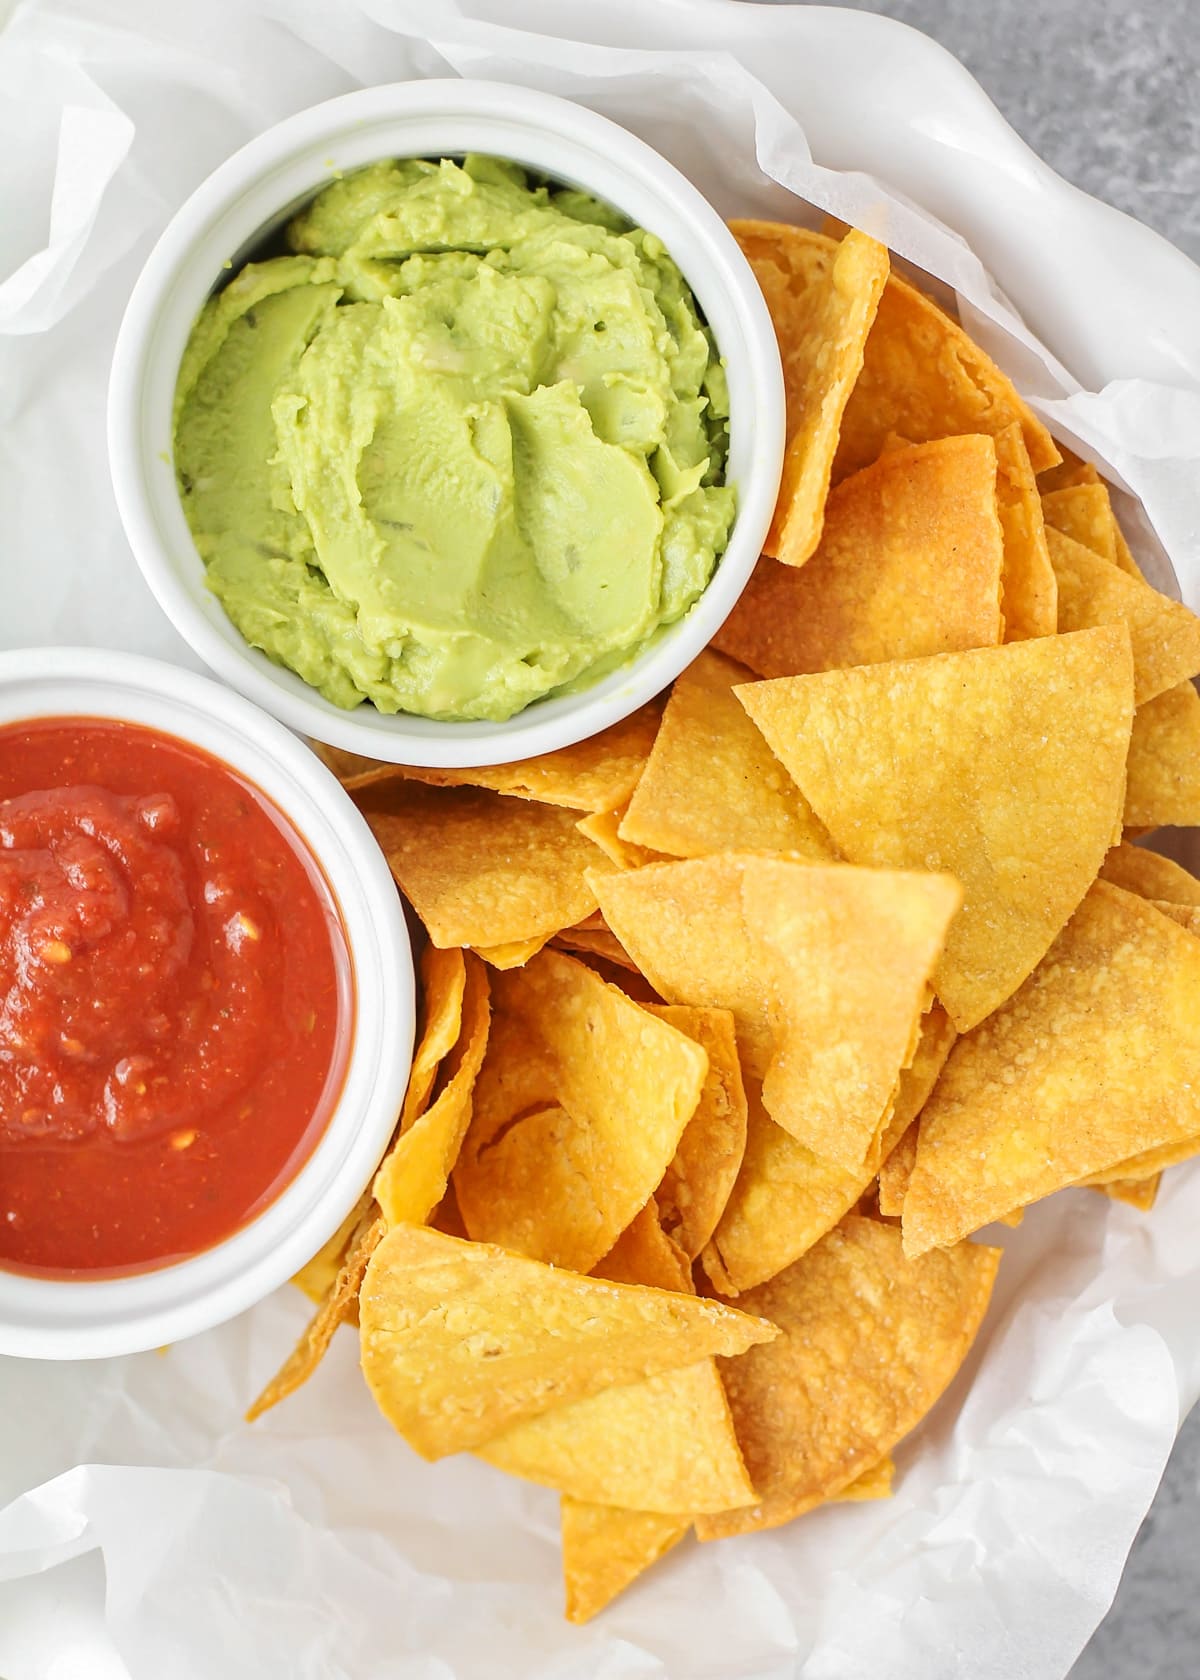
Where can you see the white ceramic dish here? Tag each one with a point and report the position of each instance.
(253, 193)
(52, 1319)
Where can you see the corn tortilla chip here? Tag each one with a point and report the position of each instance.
(697, 1183)
(899, 1147)
(822, 294)
(578, 1111)
(1187, 915)
(1084, 513)
(460, 1340)
(1095, 1059)
(1150, 875)
(317, 1277)
(514, 955)
(1163, 785)
(875, 1483)
(1003, 766)
(604, 1549)
(603, 828)
(443, 984)
(1148, 1163)
(1070, 470)
(1140, 1193)
(869, 1340)
(712, 784)
(1164, 635)
(481, 869)
(413, 1175)
(909, 564)
(595, 942)
(924, 378)
(1030, 587)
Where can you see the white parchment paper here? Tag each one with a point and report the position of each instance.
(145, 1532)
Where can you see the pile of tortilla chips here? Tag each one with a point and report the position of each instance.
(741, 1018)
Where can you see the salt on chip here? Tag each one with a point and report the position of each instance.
(1163, 785)
(869, 1339)
(711, 783)
(1003, 766)
(923, 377)
(462, 1339)
(482, 869)
(909, 564)
(1150, 875)
(578, 1111)
(697, 1184)
(604, 1549)
(1164, 635)
(822, 294)
(443, 985)
(1030, 587)
(413, 1175)
(1095, 1059)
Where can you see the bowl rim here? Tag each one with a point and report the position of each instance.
(69, 1318)
(590, 150)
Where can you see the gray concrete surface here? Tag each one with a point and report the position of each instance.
(1108, 92)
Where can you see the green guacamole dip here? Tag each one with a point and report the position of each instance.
(463, 447)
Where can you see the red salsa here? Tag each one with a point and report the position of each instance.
(175, 999)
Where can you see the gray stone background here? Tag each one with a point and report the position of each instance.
(1108, 92)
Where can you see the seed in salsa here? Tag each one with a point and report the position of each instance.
(174, 998)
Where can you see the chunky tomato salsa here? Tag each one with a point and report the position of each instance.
(174, 998)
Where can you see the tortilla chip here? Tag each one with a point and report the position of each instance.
(909, 564)
(1095, 1059)
(1150, 875)
(822, 294)
(697, 1183)
(318, 1276)
(1140, 1193)
(875, 1483)
(712, 784)
(1084, 513)
(413, 1175)
(595, 942)
(605, 1549)
(481, 869)
(443, 983)
(1003, 766)
(1164, 635)
(899, 1149)
(1148, 1163)
(1187, 915)
(594, 775)
(869, 1341)
(895, 1173)
(1163, 786)
(337, 1305)
(603, 829)
(1070, 470)
(1030, 587)
(924, 378)
(578, 1111)
(461, 1340)
(514, 955)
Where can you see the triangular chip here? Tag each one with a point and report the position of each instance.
(594, 775)
(869, 1340)
(909, 564)
(604, 1549)
(1084, 512)
(595, 942)
(317, 1277)
(1003, 766)
(413, 1175)
(578, 1111)
(1095, 1059)
(1150, 875)
(513, 955)
(924, 378)
(482, 869)
(603, 828)
(712, 784)
(1164, 635)
(1163, 787)
(443, 983)
(1186, 915)
(1070, 470)
(697, 1184)
(460, 1339)
(822, 294)
(1148, 1163)
(1030, 589)
(874, 1483)
(1140, 1193)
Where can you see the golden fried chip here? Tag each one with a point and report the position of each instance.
(1164, 635)
(1187, 915)
(460, 1340)
(482, 869)
(1030, 588)
(413, 1175)
(443, 983)
(1095, 1059)
(712, 784)
(1148, 1163)
(595, 942)
(1070, 470)
(1163, 786)
(870, 1339)
(603, 828)
(1140, 1193)
(822, 294)
(1003, 766)
(909, 564)
(1084, 513)
(514, 955)
(924, 378)
(604, 1549)
(899, 1148)
(336, 1307)
(317, 1277)
(875, 1483)
(697, 1183)
(1150, 875)
(594, 775)
(578, 1111)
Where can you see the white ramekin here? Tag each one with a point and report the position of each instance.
(45, 1318)
(254, 192)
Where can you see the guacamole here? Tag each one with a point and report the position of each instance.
(461, 445)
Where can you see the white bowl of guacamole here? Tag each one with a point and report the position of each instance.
(449, 434)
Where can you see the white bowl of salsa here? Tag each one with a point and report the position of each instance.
(389, 570)
(207, 1028)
